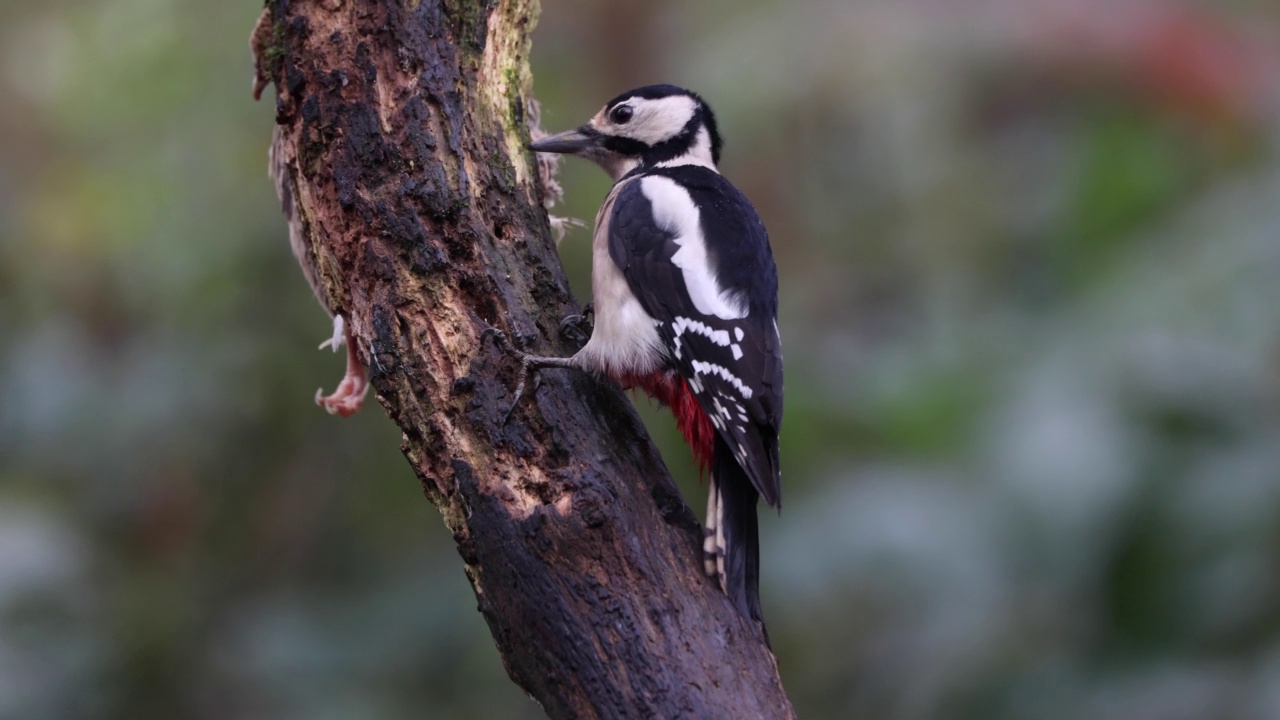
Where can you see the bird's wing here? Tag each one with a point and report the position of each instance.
(697, 258)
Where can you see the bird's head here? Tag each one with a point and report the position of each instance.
(652, 125)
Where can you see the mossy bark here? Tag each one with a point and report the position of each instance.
(416, 213)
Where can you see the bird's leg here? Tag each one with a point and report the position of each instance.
(577, 328)
(527, 363)
(348, 398)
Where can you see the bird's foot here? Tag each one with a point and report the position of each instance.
(528, 363)
(577, 328)
(348, 398)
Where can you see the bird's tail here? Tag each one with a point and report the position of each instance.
(731, 549)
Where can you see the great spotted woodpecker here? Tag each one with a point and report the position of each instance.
(686, 302)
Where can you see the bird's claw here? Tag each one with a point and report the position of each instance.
(528, 363)
(577, 328)
(525, 365)
(500, 338)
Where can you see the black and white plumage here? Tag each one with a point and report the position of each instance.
(686, 297)
(697, 258)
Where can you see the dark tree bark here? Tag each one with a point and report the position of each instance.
(417, 212)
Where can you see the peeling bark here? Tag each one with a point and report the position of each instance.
(417, 214)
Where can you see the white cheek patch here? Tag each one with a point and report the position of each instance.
(658, 120)
(674, 211)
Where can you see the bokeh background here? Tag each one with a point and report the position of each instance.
(1030, 267)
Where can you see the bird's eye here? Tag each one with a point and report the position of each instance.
(621, 114)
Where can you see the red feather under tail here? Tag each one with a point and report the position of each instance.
(671, 390)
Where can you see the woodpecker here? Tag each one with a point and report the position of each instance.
(685, 296)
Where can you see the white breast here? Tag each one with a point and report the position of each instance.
(625, 338)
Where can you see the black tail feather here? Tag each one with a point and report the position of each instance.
(737, 520)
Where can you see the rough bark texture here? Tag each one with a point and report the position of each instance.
(400, 155)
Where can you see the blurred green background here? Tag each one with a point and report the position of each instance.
(1030, 267)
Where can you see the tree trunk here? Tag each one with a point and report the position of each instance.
(417, 214)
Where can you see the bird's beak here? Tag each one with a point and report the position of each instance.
(569, 142)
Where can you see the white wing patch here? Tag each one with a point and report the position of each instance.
(675, 212)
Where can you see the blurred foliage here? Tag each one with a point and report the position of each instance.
(1029, 257)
